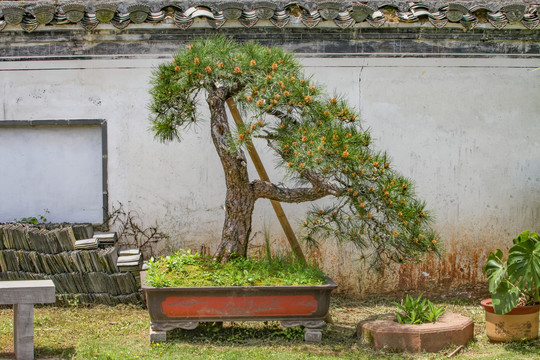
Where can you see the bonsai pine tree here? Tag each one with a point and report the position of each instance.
(318, 138)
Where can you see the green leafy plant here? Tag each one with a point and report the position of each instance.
(185, 268)
(294, 333)
(417, 311)
(515, 281)
(40, 219)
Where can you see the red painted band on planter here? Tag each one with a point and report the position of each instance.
(210, 306)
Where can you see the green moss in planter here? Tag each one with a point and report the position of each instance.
(184, 269)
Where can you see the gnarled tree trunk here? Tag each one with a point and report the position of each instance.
(240, 198)
(241, 193)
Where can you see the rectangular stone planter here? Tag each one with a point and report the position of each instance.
(186, 307)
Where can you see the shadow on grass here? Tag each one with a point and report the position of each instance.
(529, 348)
(259, 334)
(62, 352)
(6, 355)
(44, 352)
(253, 333)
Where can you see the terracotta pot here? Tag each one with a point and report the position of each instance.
(185, 307)
(519, 324)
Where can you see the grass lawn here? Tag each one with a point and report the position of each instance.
(121, 332)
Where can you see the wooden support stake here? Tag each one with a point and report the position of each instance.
(264, 176)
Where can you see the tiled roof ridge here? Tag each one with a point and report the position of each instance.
(343, 14)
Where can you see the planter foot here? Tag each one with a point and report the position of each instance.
(312, 336)
(312, 331)
(157, 336)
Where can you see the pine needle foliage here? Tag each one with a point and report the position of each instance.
(318, 138)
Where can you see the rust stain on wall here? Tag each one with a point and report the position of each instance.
(458, 272)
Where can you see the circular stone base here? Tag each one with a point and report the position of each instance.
(384, 331)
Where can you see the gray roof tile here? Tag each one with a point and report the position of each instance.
(342, 14)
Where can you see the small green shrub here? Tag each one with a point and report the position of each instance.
(294, 333)
(192, 269)
(40, 219)
(417, 311)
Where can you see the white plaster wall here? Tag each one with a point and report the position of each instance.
(465, 130)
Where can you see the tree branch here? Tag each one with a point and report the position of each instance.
(318, 181)
(267, 190)
(266, 136)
